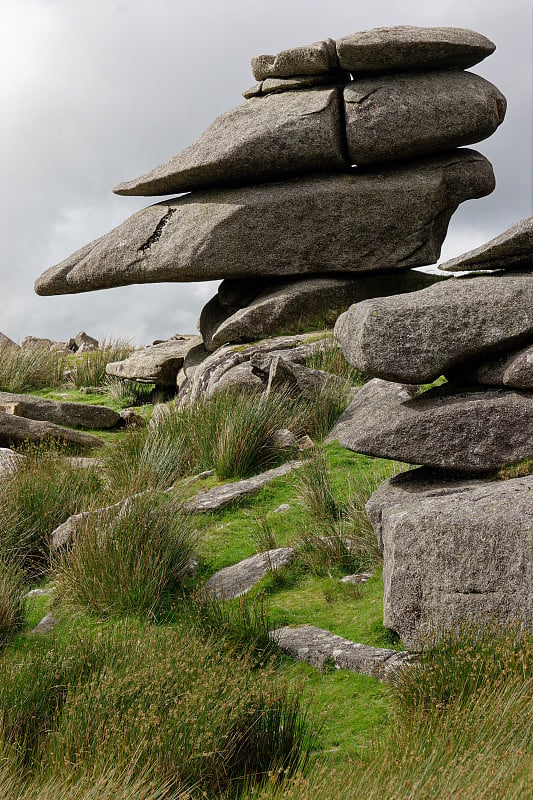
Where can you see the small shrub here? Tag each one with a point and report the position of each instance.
(89, 369)
(126, 563)
(43, 492)
(12, 590)
(32, 368)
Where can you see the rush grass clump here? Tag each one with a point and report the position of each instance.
(330, 358)
(41, 494)
(89, 368)
(12, 591)
(22, 370)
(127, 562)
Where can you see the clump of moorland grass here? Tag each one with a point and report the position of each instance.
(41, 494)
(128, 393)
(243, 623)
(330, 358)
(337, 533)
(22, 370)
(89, 368)
(127, 562)
(12, 591)
(150, 458)
(146, 699)
(520, 470)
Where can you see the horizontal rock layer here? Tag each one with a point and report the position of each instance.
(408, 47)
(416, 337)
(385, 219)
(473, 431)
(262, 139)
(514, 370)
(15, 430)
(392, 117)
(157, 364)
(61, 413)
(245, 310)
(379, 118)
(454, 552)
(512, 248)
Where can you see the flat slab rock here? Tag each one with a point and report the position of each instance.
(472, 431)
(419, 336)
(319, 647)
(514, 370)
(238, 579)
(262, 139)
(389, 117)
(408, 47)
(297, 82)
(159, 363)
(221, 496)
(453, 551)
(248, 309)
(511, 249)
(15, 430)
(61, 413)
(391, 218)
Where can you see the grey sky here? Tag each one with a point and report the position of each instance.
(94, 92)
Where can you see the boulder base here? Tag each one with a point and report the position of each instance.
(454, 552)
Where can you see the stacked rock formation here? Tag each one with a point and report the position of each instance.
(454, 545)
(334, 180)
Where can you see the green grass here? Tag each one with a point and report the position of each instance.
(12, 590)
(32, 368)
(89, 369)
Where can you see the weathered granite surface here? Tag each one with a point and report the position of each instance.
(308, 59)
(157, 364)
(471, 431)
(511, 249)
(390, 117)
(319, 648)
(238, 579)
(418, 336)
(245, 310)
(514, 370)
(62, 413)
(387, 219)
(408, 47)
(263, 139)
(14, 430)
(461, 551)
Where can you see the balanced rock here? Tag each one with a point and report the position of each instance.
(318, 58)
(416, 337)
(262, 139)
(80, 415)
(514, 370)
(401, 116)
(359, 222)
(454, 552)
(471, 431)
(15, 430)
(405, 47)
(244, 310)
(157, 364)
(509, 250)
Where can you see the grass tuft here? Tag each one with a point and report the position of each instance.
(12, 591)
(31, 368)
(89, 369)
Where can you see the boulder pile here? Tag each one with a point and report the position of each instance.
(453, 546)
(336, 177)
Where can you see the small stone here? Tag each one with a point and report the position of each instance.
(312, 59)
(48, 623)
(282, 508)
(284, 439)
(131, 419)
(357, 578)
(305, 443)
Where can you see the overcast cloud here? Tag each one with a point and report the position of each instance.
(97, 92)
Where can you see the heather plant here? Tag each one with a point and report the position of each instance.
(127, 562)
(22, 370)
